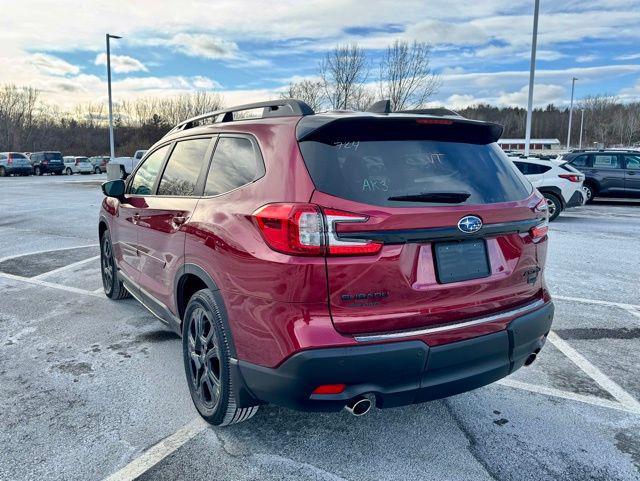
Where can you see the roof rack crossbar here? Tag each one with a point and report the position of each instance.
(271, 108)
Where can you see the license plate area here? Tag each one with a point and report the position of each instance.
(461, 260)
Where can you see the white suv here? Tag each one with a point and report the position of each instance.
(560, 183)
(77, 165)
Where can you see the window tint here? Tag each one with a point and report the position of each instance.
(235, 163)
(633, 162)
(16, 155)
(532, 169)
(374, 171)
(606, 160)
(142, 183)
(183, 167)
(580, 161)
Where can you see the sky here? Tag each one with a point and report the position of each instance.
(249, 50)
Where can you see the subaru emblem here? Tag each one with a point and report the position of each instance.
(470, 224)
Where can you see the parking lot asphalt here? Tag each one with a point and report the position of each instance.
(92, 389)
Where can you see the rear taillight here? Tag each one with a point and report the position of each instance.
(10, 159)
(305, 230)
(340, 247)
(570, 177)
(538, 232)
(77, 162)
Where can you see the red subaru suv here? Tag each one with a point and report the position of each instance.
(324, 261)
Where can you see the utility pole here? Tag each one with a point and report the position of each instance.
(581, 125)
(532, 73)
(111, 142)
(573, 86)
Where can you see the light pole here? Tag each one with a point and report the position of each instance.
(573, 86)
(532, 73)
(111, 143)
(581, 125)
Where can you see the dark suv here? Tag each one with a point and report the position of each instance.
(611, 173)
(47, 163)
(322, 261)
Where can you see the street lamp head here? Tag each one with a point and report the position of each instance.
(113, 36)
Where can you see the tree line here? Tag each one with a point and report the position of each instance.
(346, 80)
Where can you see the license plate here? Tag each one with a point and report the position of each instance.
(461, 260)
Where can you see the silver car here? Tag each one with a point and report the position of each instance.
(77, 165)
(15, 163)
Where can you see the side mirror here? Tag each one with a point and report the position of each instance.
(114, 188)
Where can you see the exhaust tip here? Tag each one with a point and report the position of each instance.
(359, 406)
(532, 357)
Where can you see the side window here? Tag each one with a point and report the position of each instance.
(580, 161)
(183, 167)
(633, 162)
(522, 167)
(606, 160)
(236, 162)
(142, 183)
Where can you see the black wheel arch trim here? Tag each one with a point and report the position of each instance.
(555, 191)
(204, 276)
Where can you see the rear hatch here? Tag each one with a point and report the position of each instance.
(425, 186)
(19, 160)
(53, 158)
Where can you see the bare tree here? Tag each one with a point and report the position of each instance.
(309, 91)
(343, 72)
(406, 77)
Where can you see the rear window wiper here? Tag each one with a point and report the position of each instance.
(444, 197)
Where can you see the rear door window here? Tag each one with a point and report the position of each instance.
(236, 162)
(372, 172)
(611, 161)
(532, 169)
(145, 177)
(183, 167)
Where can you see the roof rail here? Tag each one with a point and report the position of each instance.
(271, 108)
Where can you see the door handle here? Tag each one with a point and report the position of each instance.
(179, 219)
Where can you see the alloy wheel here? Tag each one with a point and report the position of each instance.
(107, 264)
(204, 358)
(588, 192)
(552, 207)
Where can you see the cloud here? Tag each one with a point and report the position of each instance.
(586, 58)
(121, 63)
(52, 65)
(633, 56)
(204, 45)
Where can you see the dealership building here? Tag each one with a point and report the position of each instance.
(535, 144)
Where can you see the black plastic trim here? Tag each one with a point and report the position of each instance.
(440, 233)
(396, 373)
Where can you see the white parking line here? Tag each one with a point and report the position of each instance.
(2, 259)
(549, 391)
(157, 453)
(598, 376)
(38, 282)
(598, 302)
(65, 268)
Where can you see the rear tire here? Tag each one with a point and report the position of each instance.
(113, 287)
(3, 173)
(205, 349)
(97, 170)
(554, 205)
(590, 192)
(37, 171)
(68, 171)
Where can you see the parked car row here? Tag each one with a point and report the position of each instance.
(52, 162)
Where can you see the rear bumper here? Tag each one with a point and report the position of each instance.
(19, 170)
(577, 199)
(396, 373)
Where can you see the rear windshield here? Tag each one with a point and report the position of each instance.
(52, 156)
(373, 171)
(15, 155)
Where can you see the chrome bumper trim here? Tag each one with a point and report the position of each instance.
(450, 327)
